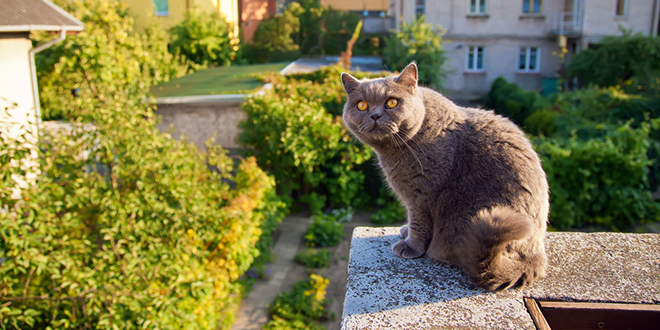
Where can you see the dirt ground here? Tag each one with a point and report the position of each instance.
(337, 273)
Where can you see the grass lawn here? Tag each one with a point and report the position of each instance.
(221, 80)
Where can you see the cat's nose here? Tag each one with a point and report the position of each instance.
(375, 116)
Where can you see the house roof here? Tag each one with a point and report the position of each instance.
(35, 15)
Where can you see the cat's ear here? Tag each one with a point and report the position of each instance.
(408, 77)
(350, 82)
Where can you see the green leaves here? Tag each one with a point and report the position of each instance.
(295, 136)
(205, 39)
(421, 42)
(119, 226)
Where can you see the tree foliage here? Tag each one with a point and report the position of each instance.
(631, 61)
(420, 42)
(125, 227)
(296, 132)
(205, 39)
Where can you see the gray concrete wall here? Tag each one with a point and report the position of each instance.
(388, 292)
(201, 119)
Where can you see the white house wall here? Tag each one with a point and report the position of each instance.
(600, 19)
(15, 84)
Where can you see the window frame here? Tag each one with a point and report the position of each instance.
(619, 4)
(530, 4)
(474, 49)
(418, 7)
(527, 68)
(477, 3)
(161, 13)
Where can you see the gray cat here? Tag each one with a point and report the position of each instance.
(474, 188)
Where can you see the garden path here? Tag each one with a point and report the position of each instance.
(253, 312)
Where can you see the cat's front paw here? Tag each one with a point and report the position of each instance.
(404, 231)
(403, 250)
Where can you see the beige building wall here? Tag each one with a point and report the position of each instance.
(143, 10)
(503, 29)
(600, 19)
(352, 5)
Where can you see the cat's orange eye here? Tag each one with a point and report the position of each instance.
(392, 103)
(362, 106)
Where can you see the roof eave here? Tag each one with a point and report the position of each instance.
(28, 28)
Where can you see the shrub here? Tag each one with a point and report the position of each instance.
(295, 132)
(301, 307)
(312, 258)
(509, 100)
(124, 227)
(421, 42)
(327, 229)
(631, 60)
(601, 180)
(204, 38)
(272, 41)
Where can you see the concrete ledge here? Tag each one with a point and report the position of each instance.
(385, 291)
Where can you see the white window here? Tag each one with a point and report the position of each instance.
(476, 58)
(161, 7)
(477, 7)
(621, 7)
(531, 6)
(420, 7)
(529, 59)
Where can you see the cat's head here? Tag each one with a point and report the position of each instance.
(380, 110)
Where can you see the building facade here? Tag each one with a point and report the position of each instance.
(170, 12)
(521, 40)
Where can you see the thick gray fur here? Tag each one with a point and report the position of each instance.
(473, 187)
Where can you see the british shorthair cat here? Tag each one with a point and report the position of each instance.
(473, 187)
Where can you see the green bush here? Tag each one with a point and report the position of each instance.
(295, 131)
(301, 307)
(601, 180)
(508, 99)
(542, 122)
(122, 227)
(312, 258)
(327, 229)
(631, 60)
(273, 40)
(421, 42)
(204, 38)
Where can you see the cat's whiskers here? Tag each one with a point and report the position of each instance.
(411, 151)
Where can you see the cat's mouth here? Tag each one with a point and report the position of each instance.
(381, 131)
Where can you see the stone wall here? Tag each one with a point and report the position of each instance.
(199, 120)
(387, 292)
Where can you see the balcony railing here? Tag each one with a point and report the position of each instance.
(569, 24)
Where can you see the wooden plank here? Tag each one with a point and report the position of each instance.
(571, 315)
(537, 316)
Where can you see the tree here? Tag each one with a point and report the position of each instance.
(631, 61)
(205, 39)
(420, 42)
(125, 227)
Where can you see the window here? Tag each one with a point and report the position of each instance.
(475, 58)
(477, 7)
(621, 7)
(531, 7)
(160, 7)
(420, 7)
(528, 59)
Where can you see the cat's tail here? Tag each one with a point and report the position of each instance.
(499, 252)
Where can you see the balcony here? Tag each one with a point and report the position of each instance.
(568, 24)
